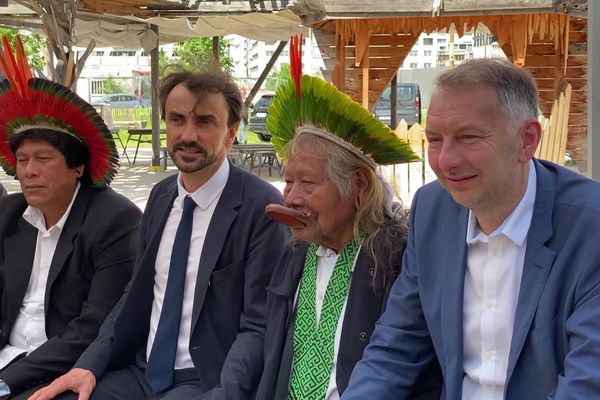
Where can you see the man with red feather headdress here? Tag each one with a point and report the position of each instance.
(67, 241)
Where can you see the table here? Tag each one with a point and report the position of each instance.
(255, 156)
(141, 136)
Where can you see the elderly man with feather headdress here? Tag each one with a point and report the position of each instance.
(331, 285)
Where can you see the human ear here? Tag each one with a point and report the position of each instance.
(362, 182)
(530, 138)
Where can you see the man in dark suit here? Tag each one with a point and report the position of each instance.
(501, 276)
(67, 241)
(220, 311)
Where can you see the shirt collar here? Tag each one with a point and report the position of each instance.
(208, 192)
(36, 218)
(325, 252)
(516, 225)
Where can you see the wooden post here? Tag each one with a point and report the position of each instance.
(156, 165)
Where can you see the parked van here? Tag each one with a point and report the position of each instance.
(408, 105)
(258, 117)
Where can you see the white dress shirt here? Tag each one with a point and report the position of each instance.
(206, 198)
(29, 330)
(326, 259)
(492, 281)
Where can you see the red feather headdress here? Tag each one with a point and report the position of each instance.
(28, 103)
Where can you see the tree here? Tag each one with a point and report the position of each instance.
(33, 43)
(196, 55)
(111, 85)
(277, 77)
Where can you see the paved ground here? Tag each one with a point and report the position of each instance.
(136, 181)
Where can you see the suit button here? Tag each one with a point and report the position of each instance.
(372, 271)
(363, 336)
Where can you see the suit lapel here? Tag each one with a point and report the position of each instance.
(536, 266)
(19, 250)
(216, 237)
(64, 247)
(453, 259)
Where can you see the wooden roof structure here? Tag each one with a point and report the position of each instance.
(364, 48)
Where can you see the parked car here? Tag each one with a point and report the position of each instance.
(408, 105)
(258, 117)
(125, 101)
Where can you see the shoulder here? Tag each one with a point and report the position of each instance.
(12, 207)
(110, 202)
(572, 189)
(253, 189)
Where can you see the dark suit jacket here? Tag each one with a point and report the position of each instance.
(2, 190)
(367, 298)
(228, 317)
(555, 346)
(92, 264)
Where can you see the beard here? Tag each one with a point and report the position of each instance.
(191, 162)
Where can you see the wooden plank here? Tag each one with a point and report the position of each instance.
(549, 61)
(576, 96)
(537, 49)
(578, 119)
(548, 84)
(578, 108)
(393, 40)
(578, 37)
(374, 52)
(550, 72)
(560, 156)
(578, 24)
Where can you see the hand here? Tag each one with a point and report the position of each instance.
(77, 380)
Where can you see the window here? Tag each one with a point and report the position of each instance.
(122, 53)
(427, 41)
(98, 53)
(427, 65)
(284, 53)
(462, 46)
(459, 57)
(414, 53)
(427, 53)
(96, 86)
(269, 53)
(413, 65)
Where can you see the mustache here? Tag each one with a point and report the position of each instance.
(183, 145)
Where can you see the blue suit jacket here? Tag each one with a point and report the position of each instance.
(555, 348)
(228, 315)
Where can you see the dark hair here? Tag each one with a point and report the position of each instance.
(76, 152)
(205, 82)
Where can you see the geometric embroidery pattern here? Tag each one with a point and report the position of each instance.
(314, 341)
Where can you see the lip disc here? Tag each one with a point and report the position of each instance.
(286, 216)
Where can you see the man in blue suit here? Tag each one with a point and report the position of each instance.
(192, 342)
(501, 276)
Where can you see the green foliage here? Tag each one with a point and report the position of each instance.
(277, 77)
(196, 55)
(113, 86)
(33, 44)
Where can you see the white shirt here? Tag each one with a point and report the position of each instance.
(29, 331)
(492, 281)
(326, 259)
(206, 198)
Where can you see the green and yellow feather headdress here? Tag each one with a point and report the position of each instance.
(307, 100)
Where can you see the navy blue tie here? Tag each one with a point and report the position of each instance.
(161, 363)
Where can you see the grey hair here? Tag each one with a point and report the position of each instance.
(385, 233)
(516, 90)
